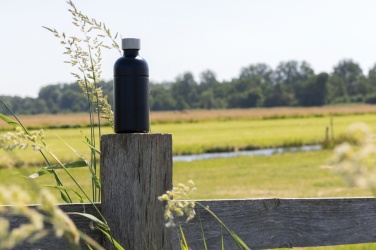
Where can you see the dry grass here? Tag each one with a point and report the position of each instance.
(82, 119)
(257, 113)
(51, 121)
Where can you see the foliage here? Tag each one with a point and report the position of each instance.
(292, 83)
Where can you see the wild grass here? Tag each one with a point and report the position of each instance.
(258, 113)
(51, 121)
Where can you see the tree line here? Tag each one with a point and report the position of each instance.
(291, 83)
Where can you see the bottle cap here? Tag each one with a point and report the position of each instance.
(131, 43)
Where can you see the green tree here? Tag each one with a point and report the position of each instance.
(292, 72)
(184, 90)
(279, 97)
(208, 80)
(207, 100)
(260, 70)
(71, 101)
(314, 91)
(51, 94)
(351, 73)
(161, 98)
(250, 98)
(337, 91)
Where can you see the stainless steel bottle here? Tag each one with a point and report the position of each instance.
(131, 90)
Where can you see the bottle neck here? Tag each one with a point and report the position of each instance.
(130, 52)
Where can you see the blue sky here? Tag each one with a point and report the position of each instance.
(196, 35)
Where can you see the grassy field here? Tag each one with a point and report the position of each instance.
(242, 177)
(202, 131)
(204, 136)
(265, 176)
(82, 120)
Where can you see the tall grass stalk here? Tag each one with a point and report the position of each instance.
(85, 58)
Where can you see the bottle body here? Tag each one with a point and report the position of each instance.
(131, 94)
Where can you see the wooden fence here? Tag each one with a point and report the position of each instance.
(137, 168)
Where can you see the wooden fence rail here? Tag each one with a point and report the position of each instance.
(137, 168)
(277, 223)
(261, 223)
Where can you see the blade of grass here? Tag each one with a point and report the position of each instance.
(64, 194)
(92, 132)
(80, 198)
(45, 170)
(94, 219)
(183, 241)
(90, 242)
(202, 232)
(9, 121)
(93, 148)
(95, 179)
(222, 239)
(241, 244)
(114, 242)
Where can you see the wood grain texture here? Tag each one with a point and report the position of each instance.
(135, 170)
(277, 223)
(261, 223)
(51, 241)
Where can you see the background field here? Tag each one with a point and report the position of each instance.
(282, 175)
(206, 131)
(82, 119)
(287, 175)
(299, 175)
(206, 136)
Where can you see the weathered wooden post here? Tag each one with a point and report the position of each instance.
(135, 170)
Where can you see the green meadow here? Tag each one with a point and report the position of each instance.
(204, 136)
(277, 175)
(286, 175)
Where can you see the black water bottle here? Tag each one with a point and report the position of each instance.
(131, 90)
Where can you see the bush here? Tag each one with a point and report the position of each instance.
(371, 98)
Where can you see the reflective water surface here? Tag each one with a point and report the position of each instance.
(268, 151)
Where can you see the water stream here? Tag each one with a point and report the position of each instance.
(267, 151)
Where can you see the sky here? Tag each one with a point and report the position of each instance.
(181, 36)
